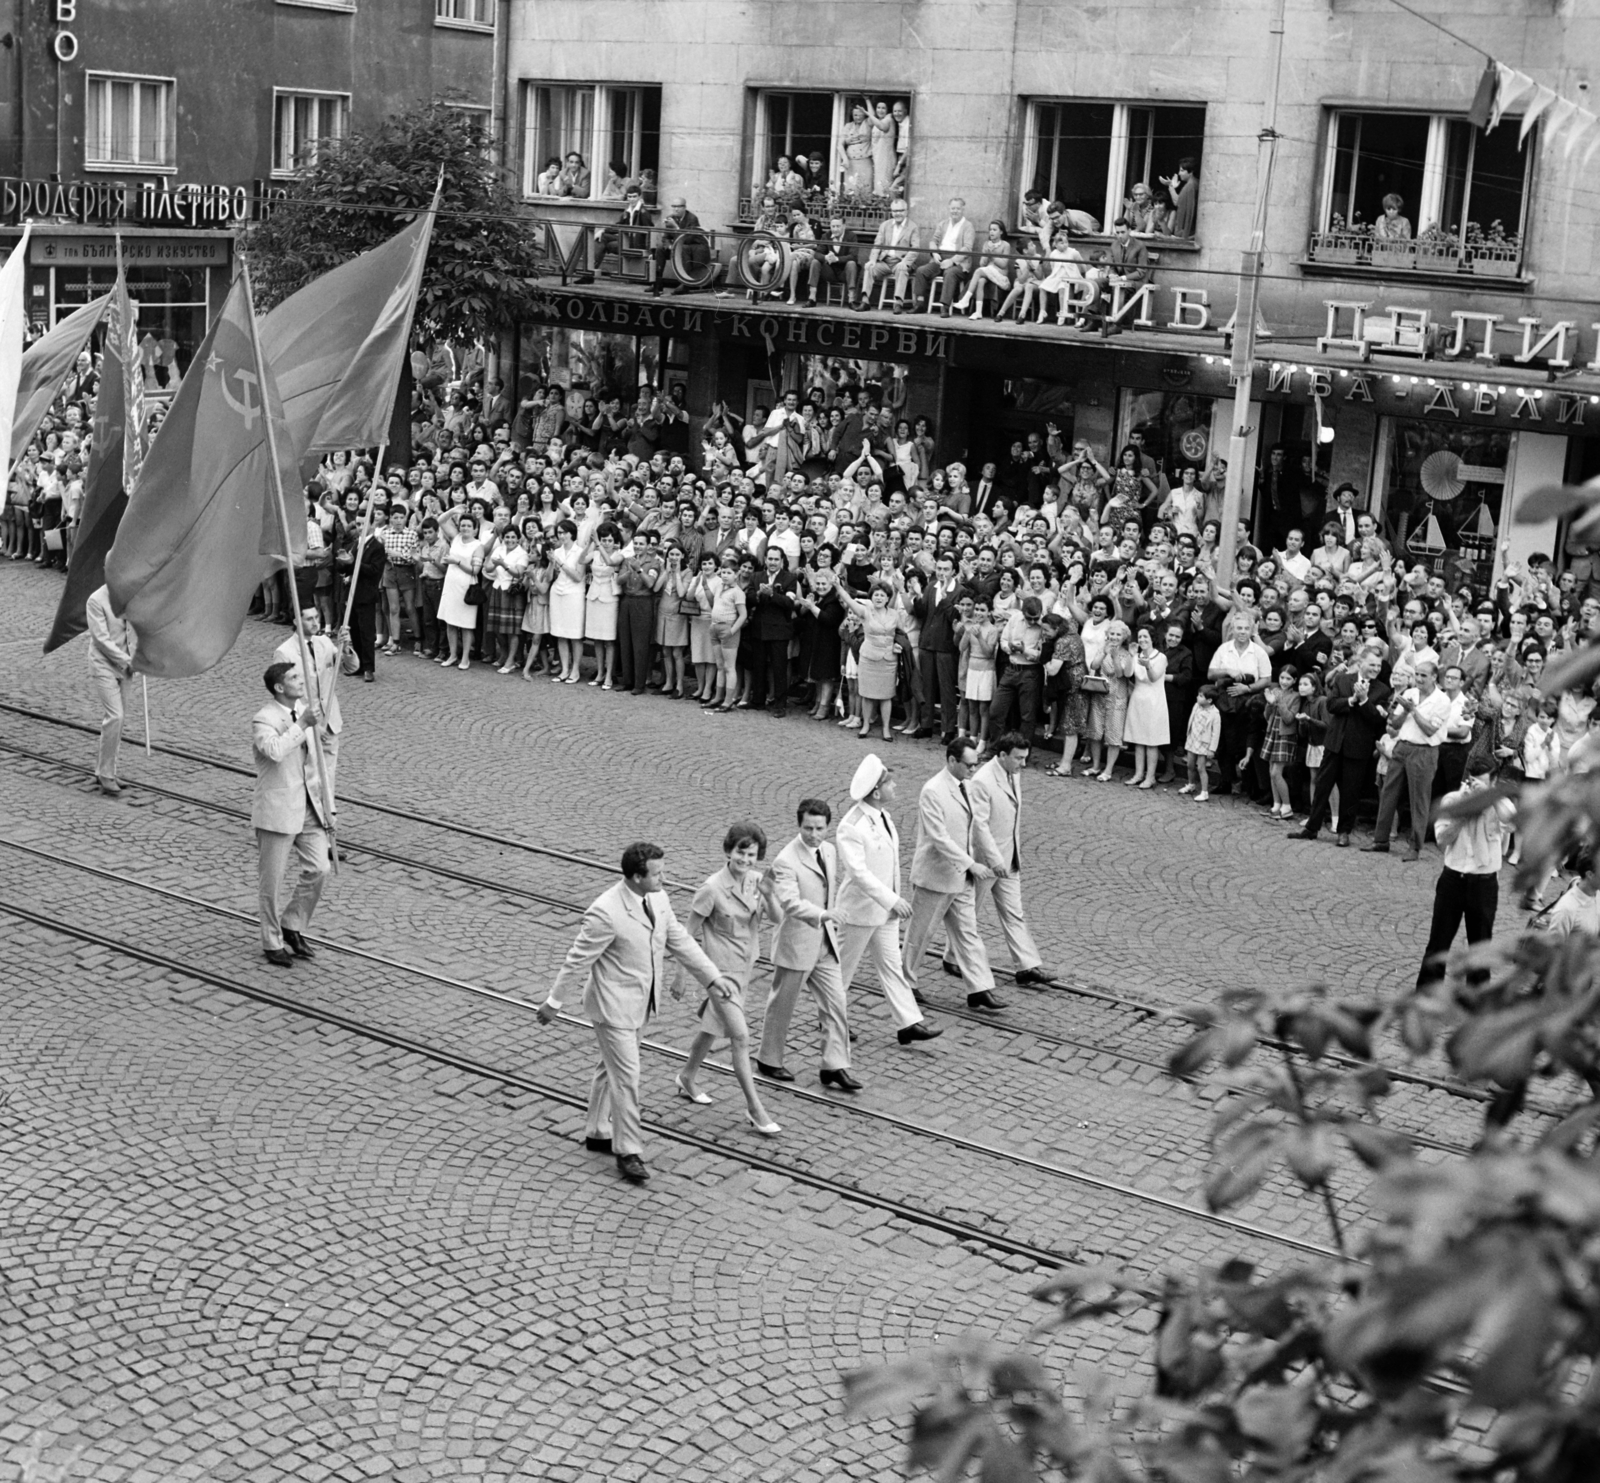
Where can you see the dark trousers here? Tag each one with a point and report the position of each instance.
(1457, 898)
(1349, 775)
(1410, 769)
(1452, 768)
(432, 590)
(939, 684)
(775, 667)
(1234, 738)
(363, 631)
(635, 618)
(1018, 685)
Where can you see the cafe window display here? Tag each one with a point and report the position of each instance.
(1176, 426)
(1444, 488)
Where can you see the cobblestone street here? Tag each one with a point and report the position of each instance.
(241, 1243)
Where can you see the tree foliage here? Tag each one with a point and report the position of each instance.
(1454, 1339)
(361, 190)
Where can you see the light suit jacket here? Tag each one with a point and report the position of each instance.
(619, 959)
(325, 657)
(803, 897)
(869, 856)
(891, 246)
(112, 641)
(944, 854)
(996, 816)
(965, 236)
(286, 771)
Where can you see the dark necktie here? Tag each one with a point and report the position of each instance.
(822, 865)
(649, 912)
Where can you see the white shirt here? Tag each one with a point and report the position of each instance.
(1435, 708)
(950, 238)
(1576, 911)
(1473, 846)
(1253, 663)
(1298, 566)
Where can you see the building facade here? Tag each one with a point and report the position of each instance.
(172, 124)
(1443, 368)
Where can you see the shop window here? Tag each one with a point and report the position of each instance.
(1104, 160)
(478, 14)
(1457, 185)
(846, 154)
(129, 121)
(171, 305)
(1176, 427)
(585, 141)
(304, 124)
(1443, 492)
(590, 363)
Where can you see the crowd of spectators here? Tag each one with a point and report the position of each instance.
(820, 560)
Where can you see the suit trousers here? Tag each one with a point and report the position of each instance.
(900, 271)
(1412, 767)
(1458, 897)
(364, 632)
(775, 667)
(958, 911)
(614, 1091)
(828, 990)
(881, 947)
(310, 845)
(1007, 893)
(951, 278)
(1349, 775)
(635, 618)
(938, 683)
(1021, 683)
(112, 689)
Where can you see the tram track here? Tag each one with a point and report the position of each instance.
(474, 1066)
(515, 891)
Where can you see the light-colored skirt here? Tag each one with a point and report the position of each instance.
(566, 613)
(453, 609)
(701, 649)
(875, 679)
(600, 619)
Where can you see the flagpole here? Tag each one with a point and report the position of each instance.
(144, 682)
(307, 668)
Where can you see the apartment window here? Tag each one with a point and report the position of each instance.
(856, 146)
(1101, 159)
(1450, 176)
(584, 141)
(129, 121)
(322, 4)
(303, 124)
(479, 14)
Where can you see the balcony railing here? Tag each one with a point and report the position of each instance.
(857, 211)
(1485, 259)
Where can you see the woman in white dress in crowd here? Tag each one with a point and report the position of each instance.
(458, 615)
(1183, 504)
(567, 560)
(600, 609)
(1147, 728)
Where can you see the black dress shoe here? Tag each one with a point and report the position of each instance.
(1302, 834)
(1375, 849)
(280, 956)
(922, 733)
(631, 1167)
(841, 1079)
(369, 677)
(597, 1145)
(297, 944)
(984, 1001)
(774, 1073)
(1039, 975)
(918, 1031)
(1343, 841)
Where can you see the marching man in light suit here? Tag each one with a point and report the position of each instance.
(112, 645)
(870, 904)
(996, 794)
(619, 959)
(944, 872)
(327, 658)
(806, 879)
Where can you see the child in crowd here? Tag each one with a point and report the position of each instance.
(1200, 743)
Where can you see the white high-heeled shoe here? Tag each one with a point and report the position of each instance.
(768, 1129)
(699, 1098)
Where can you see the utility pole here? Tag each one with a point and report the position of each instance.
(1247, 310)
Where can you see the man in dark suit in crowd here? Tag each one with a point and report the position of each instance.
(774, 620)
(1358, 705)
(634, 214)
(935, 609)
(695, 258)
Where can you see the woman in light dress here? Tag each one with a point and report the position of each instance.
(569, 568)
(855, 150)
(875, 676)
(994, 266)
(703, 589)
(1147, 728)
(600, 607)
(672, 625)
(1108, 708)
(725, 917)
(458, 615)
(1063, 272)
(885, 133)
(1183, 504)
(536, 616)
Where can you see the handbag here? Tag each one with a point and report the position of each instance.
(1095, 684)
(1314, 755)
(53, 540)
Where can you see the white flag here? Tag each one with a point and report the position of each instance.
(13, 315)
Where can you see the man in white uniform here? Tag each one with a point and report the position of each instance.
(870, 904)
